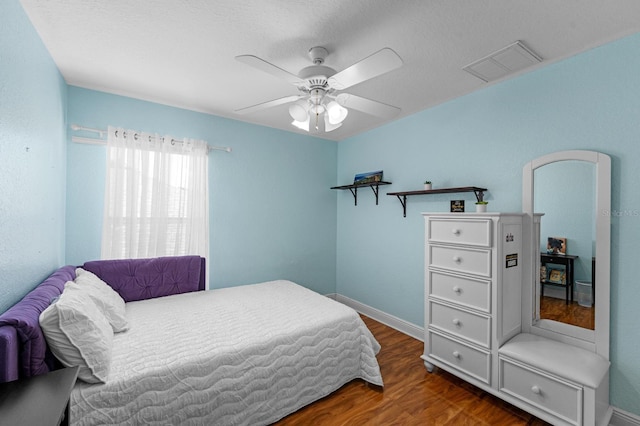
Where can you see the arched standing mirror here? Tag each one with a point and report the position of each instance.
(567, 200)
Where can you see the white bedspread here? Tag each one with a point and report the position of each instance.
(245, 355)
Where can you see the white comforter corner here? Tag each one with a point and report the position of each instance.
(244, 355)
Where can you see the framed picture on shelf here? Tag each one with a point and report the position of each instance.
(368, 177)
(556, 245)
(556, 276)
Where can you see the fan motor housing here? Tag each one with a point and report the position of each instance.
(307, 73)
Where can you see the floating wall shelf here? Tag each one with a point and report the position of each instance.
(402, 196)
(354, 189)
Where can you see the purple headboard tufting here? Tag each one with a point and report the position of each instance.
(138, 279)
(23, 348)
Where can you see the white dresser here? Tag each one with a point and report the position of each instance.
(473, 291)
(473, 323)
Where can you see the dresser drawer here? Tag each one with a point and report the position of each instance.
(469, 360)
(473, 232)
(557, 397)
(469, 326)
(464, 291)
(460, 259)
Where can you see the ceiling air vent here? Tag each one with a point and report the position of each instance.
(508, 60)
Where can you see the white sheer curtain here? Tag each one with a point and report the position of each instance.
(156, 197)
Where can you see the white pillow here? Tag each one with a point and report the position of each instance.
(107, 299)
(78, 334)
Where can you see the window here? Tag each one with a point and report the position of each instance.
(156, 196)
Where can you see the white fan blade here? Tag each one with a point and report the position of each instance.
(367, 105)
(379, 63)
(269, 68)
(268, 104)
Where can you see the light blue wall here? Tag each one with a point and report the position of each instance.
(565, 193)
(590, 101)
(273, 215)
(32, 157)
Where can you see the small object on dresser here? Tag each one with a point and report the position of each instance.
(457, 206)
(481, 206)
(427, 185)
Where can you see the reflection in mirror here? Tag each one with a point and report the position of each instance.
(574, 201)
(564, 192)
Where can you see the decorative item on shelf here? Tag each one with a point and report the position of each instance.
(556, 245)
(457, 206)
(556, 275)
(427, 185)
(368, 177)
(481, 206)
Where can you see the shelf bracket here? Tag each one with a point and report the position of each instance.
(354, 191)
(375, 190)
(479, 195)
(403, 201)
(375, 187)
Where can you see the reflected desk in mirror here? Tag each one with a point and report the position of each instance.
(562, 277)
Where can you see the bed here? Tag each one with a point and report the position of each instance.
(239, 355)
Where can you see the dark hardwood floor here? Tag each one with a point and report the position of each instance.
(411, 395)
(572, 313)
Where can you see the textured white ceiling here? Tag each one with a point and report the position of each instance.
(181, 52)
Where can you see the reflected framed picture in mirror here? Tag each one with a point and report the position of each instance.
(556, 245)
(557, 276)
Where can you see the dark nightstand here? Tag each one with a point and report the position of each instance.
(567, 261)
(39, 400)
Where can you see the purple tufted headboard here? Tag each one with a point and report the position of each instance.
(23, 348)
(138, 279)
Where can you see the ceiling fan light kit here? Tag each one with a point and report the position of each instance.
(298, 110)
(337, 113)
(302, 125)
(318, 86)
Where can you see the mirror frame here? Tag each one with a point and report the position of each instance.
(596, 340)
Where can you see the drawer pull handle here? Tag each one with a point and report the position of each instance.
(456, 259)
(457, 290)
(455, 231)
(456, 322)
(456, 354)
(536, 390)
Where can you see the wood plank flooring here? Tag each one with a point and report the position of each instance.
(411, 395)
(572, 313)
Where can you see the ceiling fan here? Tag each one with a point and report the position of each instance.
(319, 86)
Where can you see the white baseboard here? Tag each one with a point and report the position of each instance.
(622, 418)
(619, 417)
(386, 319)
